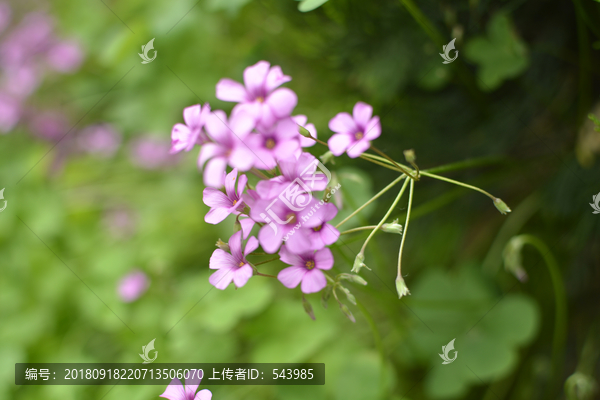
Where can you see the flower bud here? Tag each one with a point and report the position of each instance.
(354, 278)
(393, 227)
(358, 263)
(580, 387)
(304, 132)
(501, 206)
(325, 158)
(512, 258)
(347, 312)
(401, 287)
(222, 245)
(325, 296)
(308, 308)
(349, 295)
(237, 226)
(410, 155)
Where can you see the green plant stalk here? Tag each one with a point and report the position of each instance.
(360, 228)
(403, 170)
(386, 216)
(441, 178)
(385, 189)
(560, 319)
(410, 197)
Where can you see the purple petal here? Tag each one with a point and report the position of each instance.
(217, 128)
(300, 119)
(241, 186)
(343, 123)
(221, 259)
(214, 172)
(282, 102)
(214, 198)
(192, 382)
(323, 259)
(275, 78)
(222, 278)
(329, 234)
(251, 245)
(208, 151)
(286, 148)
(230, 90)
(191, 116)
(174, 391)
(242, 158)
(298, 242)
(241, 124)
(373, 129)
(356, 149)
(216, 215)
(270, 237)
(362, 113)
(338, 143)
(291, 276)
(290, 258)
(313, 281)
(230, 184)
(235, 246)
(247, 225)
(241, 276)
(204, 394)
(180, 139)
(255, 77)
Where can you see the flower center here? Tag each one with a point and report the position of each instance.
(241, 264)
(234, 202)
(317, 228)
(270, 143)
(260, 99)
(290, 218)
(310, 264)
(358, 135)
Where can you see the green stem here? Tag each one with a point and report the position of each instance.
(404, 170)
(259, 173)
(560, 319)
(441, 178)
(385, 217)
(266, 261)
(360, 228)
(384, 165)
(410, 197)
(385, 189)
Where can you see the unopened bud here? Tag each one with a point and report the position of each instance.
(222, 245)
(349, 295)
(325, 296)
(325, 158)
(308, 308)
(304, 132)
(501, 206)
(237, 226)
(358, 263)
(512, 258)
(401, 287)
(410, 155)
(354, 278)
(347, 312)
(580, 387)
(393, 227)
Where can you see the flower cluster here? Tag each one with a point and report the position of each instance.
(262, 136)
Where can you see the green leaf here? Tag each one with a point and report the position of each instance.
(309, 5)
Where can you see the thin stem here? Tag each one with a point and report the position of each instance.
(268, 276)
(385, 160)
(266, 261)
(362, 250)
(313, 138)
(385, 189)
(410, 197)
(259, 173)
(360, 228)
(384, 165)
(441, 178)
(381, 153)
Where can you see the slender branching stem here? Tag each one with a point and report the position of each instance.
(360, 228)
(410, 197)
(441, 178)
(405, 170)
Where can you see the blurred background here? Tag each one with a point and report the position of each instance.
(103, 244)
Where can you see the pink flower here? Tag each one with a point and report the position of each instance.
(101, 139)
(50, 125)
(298, 175)
(176, 391)
(228, 146)
(323, 234)
(354, 133)
(132, 286)
(276, 143)
(306, 268)
(65, 56)
(222, 204)
(284, 223)
(259, 95)
(304, 141)
(184, 137)
(232, 267)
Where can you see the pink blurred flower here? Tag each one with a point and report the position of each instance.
(259, 95)
(21, 81)
(306, 268)
(5, 14)
(30, 37)
(275, 143)
(354, 133)
(101, 139)
(65, 56)
(232, 266)
(10, 112)
(222, 204)
(132, 286)
(184, 137)
(228, 146)
(150, 152)
(50, 125)
(176, 390)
